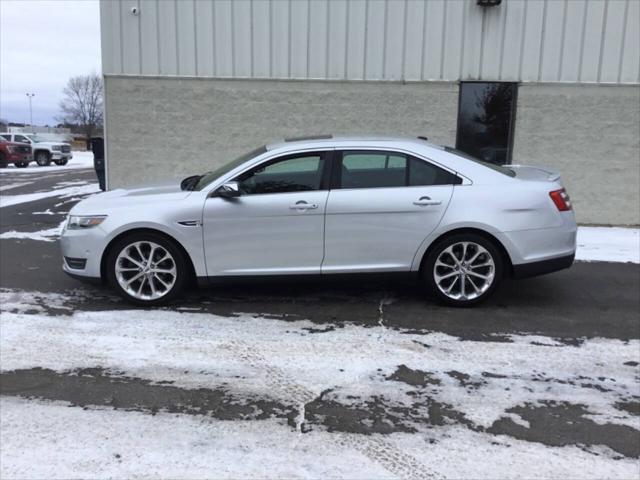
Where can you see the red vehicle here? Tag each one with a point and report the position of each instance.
(17, 153)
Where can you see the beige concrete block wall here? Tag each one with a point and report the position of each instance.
(168, 128)
(160, 128)
(591, 134)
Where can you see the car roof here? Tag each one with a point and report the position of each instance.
(320, 141)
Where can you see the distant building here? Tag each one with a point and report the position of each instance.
(192, 84)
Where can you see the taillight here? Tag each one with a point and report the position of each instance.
(561, 199)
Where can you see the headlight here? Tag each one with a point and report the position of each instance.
(56, 147)
(76, 222)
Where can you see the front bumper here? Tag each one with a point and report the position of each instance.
(86, 245)
(61, 156)
(19, 157)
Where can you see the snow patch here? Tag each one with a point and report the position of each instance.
(608, 244)
(86, 189)
(104, 443)
(48, 235)
(261, 356)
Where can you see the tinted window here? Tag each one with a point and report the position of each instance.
(20, 138)
(388, 169)
(486, 115)
(373, 170)
(6, 137)
(492, 166)
(291, 174)
(424, 173)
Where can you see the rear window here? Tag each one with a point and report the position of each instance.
(498, 168)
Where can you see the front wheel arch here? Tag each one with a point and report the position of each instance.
(508, 266)
(114, 240)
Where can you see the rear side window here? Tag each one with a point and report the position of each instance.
(498, 168)
(6, 137)
(371, 169)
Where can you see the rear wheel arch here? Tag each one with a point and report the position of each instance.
(134, 231)
(508, 270)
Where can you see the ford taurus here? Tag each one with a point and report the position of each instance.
(329, 206)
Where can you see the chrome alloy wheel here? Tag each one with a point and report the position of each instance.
(145, 270)
(464, 271)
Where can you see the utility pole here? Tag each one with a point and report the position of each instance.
(31, 95)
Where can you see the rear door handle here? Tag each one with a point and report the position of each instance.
(426, 201)
(302, 205)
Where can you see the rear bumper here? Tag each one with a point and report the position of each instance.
(526, 270)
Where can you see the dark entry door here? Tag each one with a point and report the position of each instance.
(486, 119)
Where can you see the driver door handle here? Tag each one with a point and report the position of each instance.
(302, 205)
(426, 201)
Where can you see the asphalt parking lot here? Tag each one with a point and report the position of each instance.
(585, 319)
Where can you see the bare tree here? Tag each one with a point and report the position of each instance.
(82, 103)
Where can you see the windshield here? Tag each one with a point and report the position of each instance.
(35, 138)
(498, 168)
(209, 177)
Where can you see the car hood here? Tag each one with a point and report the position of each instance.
(129, 197)
(48, 144)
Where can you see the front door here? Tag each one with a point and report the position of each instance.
(381, 207)
(276, 226)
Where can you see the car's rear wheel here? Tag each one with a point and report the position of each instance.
(463, 270)
(43, 159)
(3, 163)
(147, 269)
(62, 161)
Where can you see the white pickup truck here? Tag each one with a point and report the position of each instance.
(44, 152)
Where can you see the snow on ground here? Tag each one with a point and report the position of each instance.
(101, 443)
(79, 160)
(608, 244)
(64, 192)
(352, 360)
(253, 356)
(48, 235)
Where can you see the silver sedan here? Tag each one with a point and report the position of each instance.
(329, 206)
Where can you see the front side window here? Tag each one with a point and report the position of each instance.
(389, 169)
(21, 139)
(300, 173)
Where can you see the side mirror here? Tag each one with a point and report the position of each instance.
(227, 190)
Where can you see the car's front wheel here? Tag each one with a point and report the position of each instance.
(62, 161)
(21, 164)
(147, 269)
(43, 159)
(463, 270)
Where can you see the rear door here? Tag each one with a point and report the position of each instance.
(381, 207)
(276, 226)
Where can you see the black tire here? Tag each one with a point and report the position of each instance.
(62, 161)
(43, 158)
(3, 164)
(181, 265)
(21, 164)
(457, 242)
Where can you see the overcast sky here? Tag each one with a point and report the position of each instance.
(42, 44)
